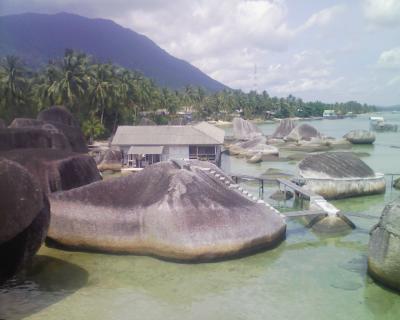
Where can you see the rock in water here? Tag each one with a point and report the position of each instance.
(24, 218)
(336, 175)
(64, 121)
(186, 214)
(281, 195)
(111, 160)
(360, 137)
(56, 170)
(284, 128)
(384, 247)
(255, 158)
(303, 132)
(245, 130)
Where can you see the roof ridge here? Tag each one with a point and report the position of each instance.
(204, 133)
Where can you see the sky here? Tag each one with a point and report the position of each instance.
(328, 50)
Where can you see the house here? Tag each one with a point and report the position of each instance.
(329, 114)
(144, 145)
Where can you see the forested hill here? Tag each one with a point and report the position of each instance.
(36, 38)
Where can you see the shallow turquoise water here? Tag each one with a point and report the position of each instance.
(306, 277)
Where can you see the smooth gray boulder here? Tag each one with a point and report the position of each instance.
(303, 132)
(384, 247)
(280, 195)
(56, 170)
(184, 212)
(64, 121)
(245, 130)
(360, 137)
(24, 218)
(339, 175)
(284, 128)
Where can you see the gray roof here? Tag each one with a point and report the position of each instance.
(146, 150)
(202, 133)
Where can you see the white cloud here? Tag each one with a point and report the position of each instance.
(382, 12)
(390, 59)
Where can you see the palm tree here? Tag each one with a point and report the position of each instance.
(71, 86)
(13, 84)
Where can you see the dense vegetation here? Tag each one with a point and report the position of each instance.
(104, 95)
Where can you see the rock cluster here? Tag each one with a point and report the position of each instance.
(384, 247)
(24, 218)
(188, 213)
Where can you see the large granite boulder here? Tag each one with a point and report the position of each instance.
(56, 170)
(360, 137)
(2, 124)
(340, 175)
(111, 160)
(64, 121)
(284, 128)
(24, 218)
(58, 139)
(245, 130)
(303, 132)
(189, 212)
(384, 247)
(20, 138)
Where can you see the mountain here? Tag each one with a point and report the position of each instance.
(39, 37)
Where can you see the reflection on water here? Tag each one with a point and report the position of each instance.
(308, 276)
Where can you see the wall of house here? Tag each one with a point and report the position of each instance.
(177, 152)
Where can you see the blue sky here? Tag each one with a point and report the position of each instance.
(329, 50)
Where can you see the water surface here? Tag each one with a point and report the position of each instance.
(307, 277)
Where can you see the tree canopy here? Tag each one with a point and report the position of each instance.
(104, 95)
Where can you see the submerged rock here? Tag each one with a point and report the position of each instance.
(360, 137)
(339, 175)
(284, 128)
(167, 211)
(64, 121)
(384, 247)
(56, 170)
(303, 132)
(245, 130)
(24, 218)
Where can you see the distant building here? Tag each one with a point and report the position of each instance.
(329, 114)
(144, 145)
